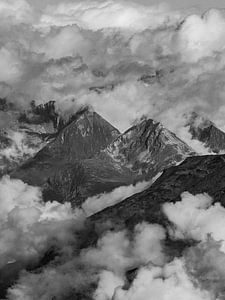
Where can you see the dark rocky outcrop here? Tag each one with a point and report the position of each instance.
(199, 174)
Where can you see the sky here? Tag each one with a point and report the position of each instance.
(199, 5)
(59, 50)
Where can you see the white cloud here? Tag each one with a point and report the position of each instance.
(166, 283)
(117, 253)
(108, 283)
(195, 217)
(61, 62)
(202, 36)
(97, 203)
(66, 41)
(108, 14)
(29, 226)
(10, 65)
(15, 11)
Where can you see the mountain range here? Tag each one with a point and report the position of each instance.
(109, 158)
(74, 158)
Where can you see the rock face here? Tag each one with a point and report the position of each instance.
(206, 132)
(199, 174)
(147, 149)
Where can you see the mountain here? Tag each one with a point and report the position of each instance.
(197, 174)
(85, 135)
(107, 158)
(147, 149)
(206, 132)
(78, 143)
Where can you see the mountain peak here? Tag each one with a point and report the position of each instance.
(206, 131)
(147, 148)
(84, 136)
(198, 121)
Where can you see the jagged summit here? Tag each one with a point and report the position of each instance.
(147, 148)
(84, 136)
(205, 131)
(24, 133)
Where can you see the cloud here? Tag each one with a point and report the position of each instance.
(199, 274)
(29, 226)
(200, 37)
(15, 12)
(5, 90)
(109, 14)
(169, 282)
(64, 42)
(10, 65)
(19, 149)
(117, 253)
(194, 217)
(60, 281)
(103, 266)
(197, 218)
(68, 48)
(100, 271)
(205, 265)
(108, 284)
(97, 203)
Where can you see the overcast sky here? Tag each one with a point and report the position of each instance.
(201, 5)
(55, 53)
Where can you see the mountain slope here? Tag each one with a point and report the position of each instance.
(206, 132)
(199, 174)
(147, 149)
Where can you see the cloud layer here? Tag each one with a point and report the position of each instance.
(125, 264)
(132, 265)
(28, 227)
(62, 51)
